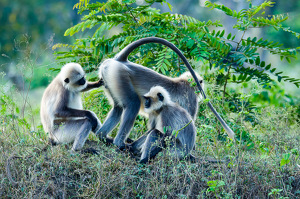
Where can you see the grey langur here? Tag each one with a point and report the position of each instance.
(126, 83)
(169, 125)
(61, 108)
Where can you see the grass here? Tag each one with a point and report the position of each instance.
(263, 163)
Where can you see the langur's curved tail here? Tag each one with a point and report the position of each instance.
(123, 57)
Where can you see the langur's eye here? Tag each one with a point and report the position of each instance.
(67, 80)
(160, 97)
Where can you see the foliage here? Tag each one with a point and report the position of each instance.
(237, 59)
(247, 47)
(273, 94)
(291, 9)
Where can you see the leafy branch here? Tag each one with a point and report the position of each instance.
(198, 40)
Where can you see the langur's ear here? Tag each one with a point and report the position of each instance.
(67, 80)
(160, 97)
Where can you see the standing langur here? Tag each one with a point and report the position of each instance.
(170, 118)
(61, 108)
(127, 82)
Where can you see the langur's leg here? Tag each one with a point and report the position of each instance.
(136, 146)
(110, 122)
(76, 131)
(120, 86)
(84, 128)
(154, 143)
(131, 109)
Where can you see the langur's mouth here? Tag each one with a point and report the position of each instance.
(147, 102)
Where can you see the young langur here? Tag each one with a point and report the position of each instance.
(61, 108)
(127, 82)
(168, 117)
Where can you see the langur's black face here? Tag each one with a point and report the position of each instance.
(81, 81)
(147, 102)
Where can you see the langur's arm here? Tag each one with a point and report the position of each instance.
(70, 112)
(64, 112)
(92, 85)
(67, 113)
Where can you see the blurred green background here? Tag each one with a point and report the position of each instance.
(30, 28)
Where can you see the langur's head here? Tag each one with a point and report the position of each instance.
(73, 77)
(156, 98)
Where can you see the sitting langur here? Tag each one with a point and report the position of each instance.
(170, 118)
(126, 83)
(61, 108)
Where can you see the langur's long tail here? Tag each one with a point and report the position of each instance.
(123, 56)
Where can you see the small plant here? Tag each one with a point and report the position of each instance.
(275, 192)
(215, 186)
(285, 159)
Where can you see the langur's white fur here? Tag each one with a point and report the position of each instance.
(61, 107)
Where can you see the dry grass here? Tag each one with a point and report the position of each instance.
(253, 169)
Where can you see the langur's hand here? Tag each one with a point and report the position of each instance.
(99, 83)
(96, 124)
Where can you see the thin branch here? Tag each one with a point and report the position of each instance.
(131, 14)
(228, 73)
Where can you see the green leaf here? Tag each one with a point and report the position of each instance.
(285, 160)
(206, 29)
(286, 156)
(257, 61)
(222, 33)
(67, 32)
(190, 43)
(295, 152)
(170, 6)
(240, 77)
(229, 36)
(234, 78)
(268, 67)
(248, 78)
(167, 62)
